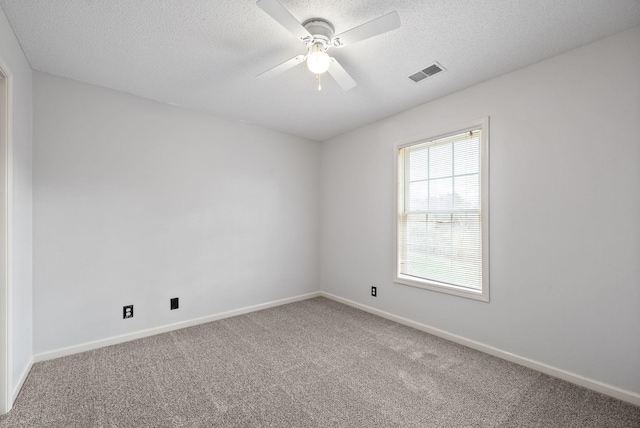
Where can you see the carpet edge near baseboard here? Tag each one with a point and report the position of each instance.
(601, 387)
(114, 340)
(21, 380)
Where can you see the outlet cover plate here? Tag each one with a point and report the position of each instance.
(127, 311)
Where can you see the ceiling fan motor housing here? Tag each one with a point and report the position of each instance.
(321, 31)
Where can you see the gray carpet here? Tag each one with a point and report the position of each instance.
(314, 363)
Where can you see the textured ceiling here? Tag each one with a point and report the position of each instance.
(205, 54)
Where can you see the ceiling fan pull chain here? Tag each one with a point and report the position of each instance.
(318, 79)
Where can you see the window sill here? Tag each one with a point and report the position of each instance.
(443, 288)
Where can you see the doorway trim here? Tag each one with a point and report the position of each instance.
(6, 198)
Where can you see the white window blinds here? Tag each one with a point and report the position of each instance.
(439, 211)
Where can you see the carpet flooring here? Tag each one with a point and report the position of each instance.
(315, 363)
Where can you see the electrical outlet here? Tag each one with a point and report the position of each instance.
(374, 291)
(174, 303)
(127, 311)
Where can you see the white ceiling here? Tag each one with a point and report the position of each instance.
(205, 54)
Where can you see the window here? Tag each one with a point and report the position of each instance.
(442, 212)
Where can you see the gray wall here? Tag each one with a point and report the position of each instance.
(136, 202)
(21, 321)
(564, 210)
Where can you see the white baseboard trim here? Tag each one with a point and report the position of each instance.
(603, 388)
(23, 377)
(88, 346)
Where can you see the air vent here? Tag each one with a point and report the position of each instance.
(434, 68)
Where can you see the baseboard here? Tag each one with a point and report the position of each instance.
(23, 377)
(603, 388)
(88, 346)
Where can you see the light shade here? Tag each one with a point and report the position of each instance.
(318, 62)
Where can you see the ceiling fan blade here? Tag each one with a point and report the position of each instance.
(281, 68)
(282, 15)
(340, 75)
(380, 25)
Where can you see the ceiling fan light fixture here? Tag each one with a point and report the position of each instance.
(318, 60)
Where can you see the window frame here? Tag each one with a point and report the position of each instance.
(398, 278)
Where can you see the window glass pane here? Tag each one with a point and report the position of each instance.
(416, 245)
(467, 194)
(444, 247)
(418, 161)
(440, 161)
(441, 194)
(466, 261)
(439, 252)
(467, 156)
(419, 196)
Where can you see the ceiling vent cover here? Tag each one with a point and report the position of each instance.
(434, 68)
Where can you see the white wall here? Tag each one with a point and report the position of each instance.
(564, 211)
(12, 56)
(136, 202)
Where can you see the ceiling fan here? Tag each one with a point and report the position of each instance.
(318, 36)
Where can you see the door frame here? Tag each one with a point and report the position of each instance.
(6, 199)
